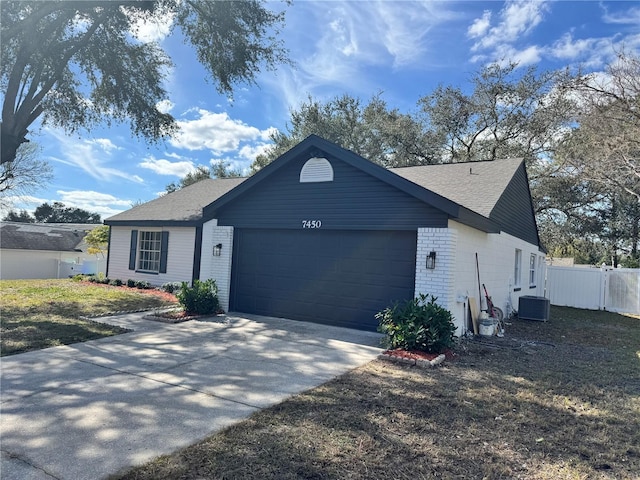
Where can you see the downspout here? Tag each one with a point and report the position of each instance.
(106, 273)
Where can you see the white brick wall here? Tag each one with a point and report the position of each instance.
(455, 277)
(439, 282)
(217, 268)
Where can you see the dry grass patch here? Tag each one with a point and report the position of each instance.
(38, 314)
(557, 400)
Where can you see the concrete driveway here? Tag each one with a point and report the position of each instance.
(88, 410)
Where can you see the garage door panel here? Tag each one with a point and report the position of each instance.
(333, 277)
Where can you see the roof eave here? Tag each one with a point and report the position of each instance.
(475, 220)
(154, 223)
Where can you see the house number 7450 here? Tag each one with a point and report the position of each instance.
(311, 223)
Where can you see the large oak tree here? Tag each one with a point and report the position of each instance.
(75, 64)
(605, 147)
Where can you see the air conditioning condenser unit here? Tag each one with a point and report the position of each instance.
(534, 308)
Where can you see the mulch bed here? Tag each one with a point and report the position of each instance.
(417, 355)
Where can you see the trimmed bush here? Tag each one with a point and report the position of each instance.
(131, 283)
(116, 282)
(142, 284)
(419, 324)
(171, 287)
(200, 299)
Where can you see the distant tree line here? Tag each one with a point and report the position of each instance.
(56, 212)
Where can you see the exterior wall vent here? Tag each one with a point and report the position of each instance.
(316, 170)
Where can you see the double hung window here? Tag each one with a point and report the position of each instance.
(149, 251)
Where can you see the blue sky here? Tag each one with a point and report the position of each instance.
(402, 49)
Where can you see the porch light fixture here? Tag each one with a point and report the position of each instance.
(431, 260)
(217, 250)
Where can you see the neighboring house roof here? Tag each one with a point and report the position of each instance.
(182, 207)
(60, 237)
(491, 196)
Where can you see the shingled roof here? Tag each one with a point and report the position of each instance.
(44, 236)
(474, 193)
(474, 185)
(182, 207)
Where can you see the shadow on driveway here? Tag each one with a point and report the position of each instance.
(88, 410)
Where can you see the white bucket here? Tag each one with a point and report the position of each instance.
(487, 327)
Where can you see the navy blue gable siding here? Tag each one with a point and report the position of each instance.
(514, 210)
(353, 200)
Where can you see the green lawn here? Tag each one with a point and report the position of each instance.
(44, 313)
(556, 400)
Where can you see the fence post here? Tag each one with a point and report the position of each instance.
(603, 287)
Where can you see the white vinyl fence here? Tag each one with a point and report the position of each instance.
(615, 290)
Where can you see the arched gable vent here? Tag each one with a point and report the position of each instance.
(316, 170)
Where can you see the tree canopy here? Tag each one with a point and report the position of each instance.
(378, 133)
(24, 175)
(22, 217)
(75, 64)
(220, 169)
(508, 114)
(605, 147)
(98, 240)
(58, 212)
(579, 135)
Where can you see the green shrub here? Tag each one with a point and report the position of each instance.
(104, 280)
(201, 298)
(142, 284)
(79, 277)
(116, 282)
(418, 324)
(92, 278)
(171, 287)
(131, 283)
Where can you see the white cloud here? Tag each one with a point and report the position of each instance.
(105, 144)
(527, 56)
(216, 132)
(592, 52)
(165, 106)
(154, 28)
(567, 48)
(250, 152)
(165, 167)
(627, 17)
(480, 26)
(90, 155)
(352, 36)
(517, 19)
(102, 203)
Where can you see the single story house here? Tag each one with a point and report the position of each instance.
(324, 235)
(46, 250)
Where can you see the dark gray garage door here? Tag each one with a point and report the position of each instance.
(334, 277)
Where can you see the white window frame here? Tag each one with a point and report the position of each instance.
(532, 270)
(148, 256)
(517, 269)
